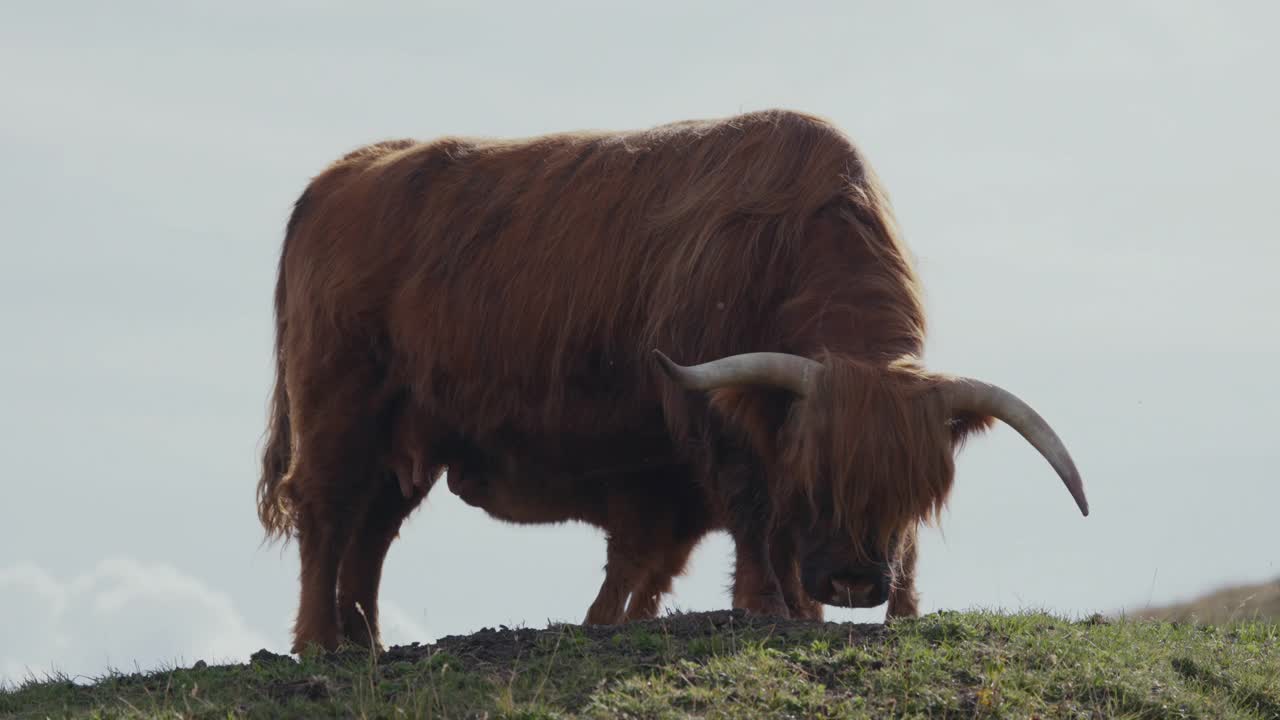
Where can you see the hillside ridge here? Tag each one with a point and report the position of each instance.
(724, 664)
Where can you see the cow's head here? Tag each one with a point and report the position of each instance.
(864, 454)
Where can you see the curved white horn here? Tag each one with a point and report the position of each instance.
(976, 396)
(781, 370)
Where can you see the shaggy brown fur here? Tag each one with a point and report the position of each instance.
(515, 289)
(653, 518)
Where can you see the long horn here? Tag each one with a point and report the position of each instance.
(976, 396)
(781, 370)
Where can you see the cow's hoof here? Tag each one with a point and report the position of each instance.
(769, 606)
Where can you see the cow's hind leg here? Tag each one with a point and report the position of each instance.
(361, 570)
(323, 527)
(335, 410)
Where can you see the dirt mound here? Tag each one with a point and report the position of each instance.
(503, 645)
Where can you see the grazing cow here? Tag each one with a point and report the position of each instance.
(518, 292)
(653, 517)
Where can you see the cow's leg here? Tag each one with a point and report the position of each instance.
(904, 601)
(755, 584)
(741, 498)
(323, 525)
(756, 587)
(361, 571)
(335, 408)
(785, 563)
(317, 621)
(621, 574)
(646, 597)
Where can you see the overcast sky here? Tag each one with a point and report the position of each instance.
(1090, 191)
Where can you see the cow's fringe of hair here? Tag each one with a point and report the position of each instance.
(870, 451)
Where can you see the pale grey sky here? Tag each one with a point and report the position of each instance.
(1090, 190)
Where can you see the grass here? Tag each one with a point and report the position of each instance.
(723, 665)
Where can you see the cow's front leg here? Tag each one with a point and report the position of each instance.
(787, 566)
(756, 588)
(621, 574)
(904, 601)
(743, 501)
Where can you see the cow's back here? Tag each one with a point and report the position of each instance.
(518, 286)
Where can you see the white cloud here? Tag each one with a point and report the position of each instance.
(121, 614)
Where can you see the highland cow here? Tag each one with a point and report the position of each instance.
(518, 293)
